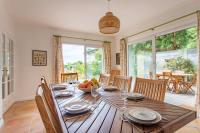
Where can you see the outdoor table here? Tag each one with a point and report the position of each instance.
(182, 75)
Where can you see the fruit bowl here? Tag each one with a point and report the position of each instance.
(85, 89)
(86, 86)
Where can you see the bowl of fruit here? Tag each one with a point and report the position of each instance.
(87, 85)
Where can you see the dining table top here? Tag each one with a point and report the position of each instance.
(107, 116)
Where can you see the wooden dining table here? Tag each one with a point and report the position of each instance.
(107, 116)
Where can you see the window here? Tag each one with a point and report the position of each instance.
(177, 52)
(83, 59)
(140, 59)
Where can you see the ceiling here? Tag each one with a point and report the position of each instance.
(83, 15)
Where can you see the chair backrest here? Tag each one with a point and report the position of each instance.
(167, 75)
(49, 118)
(121, 81)
(178, 78)
(66, 77)
(47, 93)
(104, 78)
(153, 89)
(43, 80)
(113, 73)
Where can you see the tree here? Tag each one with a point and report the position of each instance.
(180, 63)
(178, 40)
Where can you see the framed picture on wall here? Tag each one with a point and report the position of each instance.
(117, 58)
(39, 58)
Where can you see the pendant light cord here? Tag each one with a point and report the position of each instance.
(108, 5)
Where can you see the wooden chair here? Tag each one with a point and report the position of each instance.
(104, 78)
(153, 89)
(177, 83)
(44, 82)
(120, 80)
(66, 77)
(167, 75)
(49, 118)
(171, 81)
(48, 95)
(187, 86)
(113, 73)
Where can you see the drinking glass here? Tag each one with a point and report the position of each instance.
(75, 85)
(123, 94)
(95, 93)
(102, 85)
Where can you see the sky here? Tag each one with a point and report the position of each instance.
(73, 53)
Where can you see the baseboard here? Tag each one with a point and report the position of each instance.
(24, 99)
(1, 122)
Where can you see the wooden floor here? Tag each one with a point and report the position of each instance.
(23, 117)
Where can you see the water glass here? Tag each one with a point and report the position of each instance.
(124, 94)
(95, 93)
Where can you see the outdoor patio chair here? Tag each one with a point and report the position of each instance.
(187, 86)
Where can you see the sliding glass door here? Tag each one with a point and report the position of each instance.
(175, 56)
(83, 59)
(140, 59)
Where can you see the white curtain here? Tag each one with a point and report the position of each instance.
(58, 65)
(198, 75)
(123, 57)
(107, 57)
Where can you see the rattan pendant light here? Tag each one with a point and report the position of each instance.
(109, 24)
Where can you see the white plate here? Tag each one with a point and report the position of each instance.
(134, 120)
(110, 88)
(77, 112)
(63, 94)
(76, 107)
(143, 114)
(59, 87)
(135, 96)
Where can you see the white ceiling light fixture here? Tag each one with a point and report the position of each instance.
(109, 24)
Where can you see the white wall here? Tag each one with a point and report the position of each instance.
(31, 37)
(28, 76)
(7, 27)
